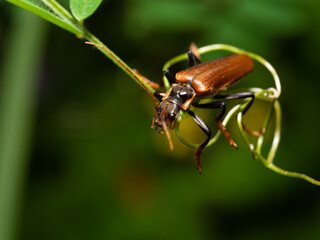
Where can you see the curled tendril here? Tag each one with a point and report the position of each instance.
(270, 95)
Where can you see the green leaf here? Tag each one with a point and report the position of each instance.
(45, 14)
(82, 9)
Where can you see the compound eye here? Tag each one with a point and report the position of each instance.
(172, 112)
(171, 115)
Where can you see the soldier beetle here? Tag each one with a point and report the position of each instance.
(189, 86)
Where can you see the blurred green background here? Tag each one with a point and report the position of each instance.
(90, 167)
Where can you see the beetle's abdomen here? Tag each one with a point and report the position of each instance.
(214, 76)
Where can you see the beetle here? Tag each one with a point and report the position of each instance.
(189, 86)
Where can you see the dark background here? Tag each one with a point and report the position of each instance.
(96, 170)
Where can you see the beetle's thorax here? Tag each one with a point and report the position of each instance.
(178, 97)
(181, 94)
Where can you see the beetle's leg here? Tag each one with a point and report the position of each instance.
(240, 96)
(147, 81)
(192, 58)
(204, 127)
(195, 51)
(169, 76)
(159, 95)
(222, 128)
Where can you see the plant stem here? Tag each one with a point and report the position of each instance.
(114, 58)
(18, 101)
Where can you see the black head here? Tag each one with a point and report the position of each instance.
(171, 105)
(177, 98)
(167, 113)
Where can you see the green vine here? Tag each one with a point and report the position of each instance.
(270, 95)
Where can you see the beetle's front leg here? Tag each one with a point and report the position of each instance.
(222, 128)
(204, 127)
(147, 81)
(159, 95)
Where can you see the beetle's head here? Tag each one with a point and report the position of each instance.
(166, 115)
(178, 97)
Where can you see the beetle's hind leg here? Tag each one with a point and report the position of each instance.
(242, 95)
